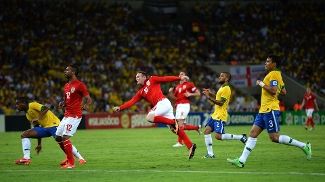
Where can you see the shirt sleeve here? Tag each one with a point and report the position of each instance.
(131, 102)
(36, 106)
(83, 89)
(225, 94)
(274, 79)
(192, 87)
(160, 79)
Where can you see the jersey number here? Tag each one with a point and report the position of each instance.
(69, 126)
(68, 95)
(271, 123)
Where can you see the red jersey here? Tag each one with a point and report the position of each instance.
(180, 90)
(74, 93)
(309, 100)
(150, 91)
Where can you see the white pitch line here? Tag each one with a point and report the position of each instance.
(171, 171)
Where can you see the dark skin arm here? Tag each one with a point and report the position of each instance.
(212, 97)
(41, 114)
(171, 92)
(270, 89)
(283, 92)
(88, 102)
(38, 148)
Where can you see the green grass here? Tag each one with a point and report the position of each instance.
(148, 155)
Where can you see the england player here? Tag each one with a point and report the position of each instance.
(74, 92)
(310, 104)
(181, 94)
(269, 113)
(162, 112)
(45, 125)
(219, 117)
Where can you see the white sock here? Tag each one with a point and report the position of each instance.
(250, 144)
(284, 139)
(231, 137)
(208, 143)
(26, 147)
(76, 153)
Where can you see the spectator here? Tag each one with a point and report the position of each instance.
(297, 106)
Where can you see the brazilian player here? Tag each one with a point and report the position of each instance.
(44, 124)
(269, 113)
(218, 119)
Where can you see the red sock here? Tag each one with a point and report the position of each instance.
(307, 122)
(179, 138)
(68, 150)
(190, 127)
(312, 122)
(184, 137)
(162, 119)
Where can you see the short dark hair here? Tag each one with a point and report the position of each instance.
(228, 75)
(275, 59)
(186, 73)
(74, 68)
(22, 99)
(143, 73)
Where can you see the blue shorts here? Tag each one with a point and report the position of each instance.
(268, 121)
(217, 126)
(45, 132)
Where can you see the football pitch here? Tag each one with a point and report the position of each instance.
(148, 155)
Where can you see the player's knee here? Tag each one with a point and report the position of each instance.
(207, 130)
(150, 117)
(58, 138)
(180, 122)
(274, 139)
(218, 136)
(25, 134)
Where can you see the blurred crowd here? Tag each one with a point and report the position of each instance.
(245, 33)
(111, 42)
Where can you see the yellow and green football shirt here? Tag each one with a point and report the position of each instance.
(269, 101)
(220, 112)
(47, 121)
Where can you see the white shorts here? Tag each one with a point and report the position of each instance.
(182, 110)
(309, 112)
(68, 126)
(163, 108)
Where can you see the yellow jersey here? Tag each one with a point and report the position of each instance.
(47, 121)
(220, 112)
(269, 101)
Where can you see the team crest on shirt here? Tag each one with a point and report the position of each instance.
(184, 87)
(73, 89)
(148, 83)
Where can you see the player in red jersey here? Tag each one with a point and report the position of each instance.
(162, 112)
(311, 104)
(74, 92)
(182, 93)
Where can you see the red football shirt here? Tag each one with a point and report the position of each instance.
(309, 100)
(150, 91)
(74, 93)
(180, 90)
